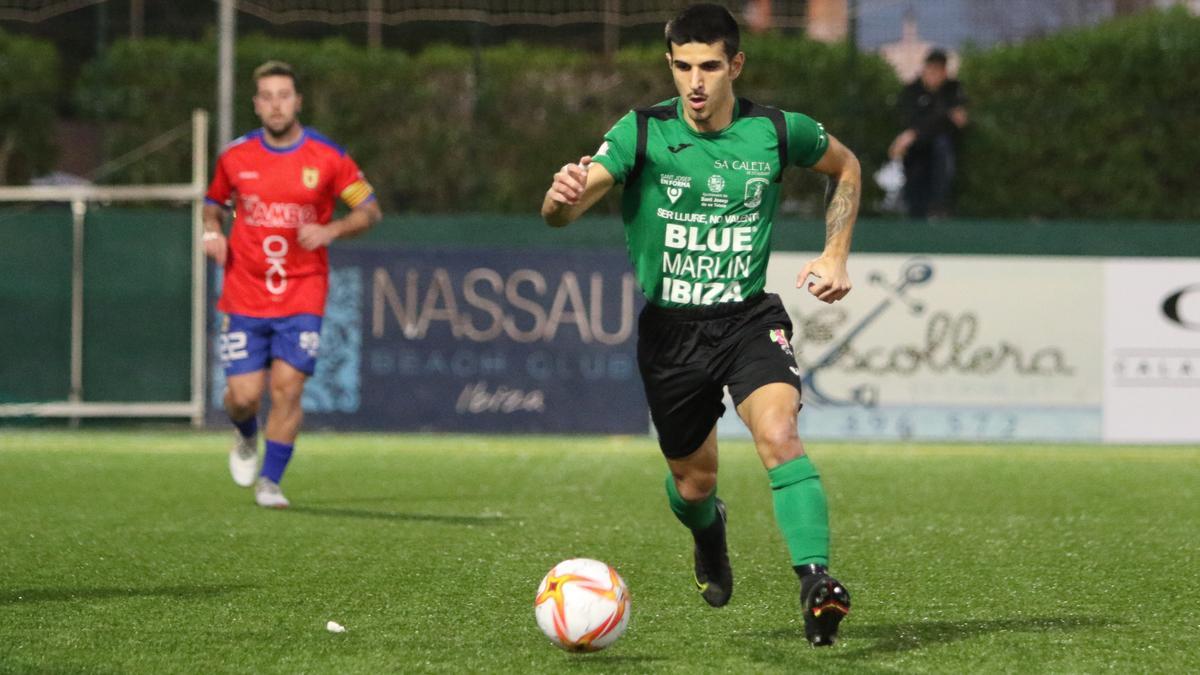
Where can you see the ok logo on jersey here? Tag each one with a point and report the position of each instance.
(276, 248)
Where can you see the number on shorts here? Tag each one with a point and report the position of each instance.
(233, 346)
(310, 342)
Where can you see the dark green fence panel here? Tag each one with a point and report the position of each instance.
(35, 303)
(137, 304)
(137, 309)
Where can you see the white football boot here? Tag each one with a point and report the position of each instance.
(268, 495)
(243, 459)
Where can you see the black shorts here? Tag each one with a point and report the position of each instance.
(688, 355)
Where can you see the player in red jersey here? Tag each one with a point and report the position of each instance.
(281, 182)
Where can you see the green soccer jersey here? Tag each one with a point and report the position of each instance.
(698, 206)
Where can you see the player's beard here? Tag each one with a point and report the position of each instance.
(278, 133)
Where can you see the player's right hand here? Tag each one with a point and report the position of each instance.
(570, 182)
(901, 144)
(832, 280)
(216, 247)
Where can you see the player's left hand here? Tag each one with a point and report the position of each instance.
(313, 236)
(832, 280)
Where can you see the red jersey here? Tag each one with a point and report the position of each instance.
(268, 274)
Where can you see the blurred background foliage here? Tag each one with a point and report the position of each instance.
(1100, 122)
(1103, 122)
(29, 92)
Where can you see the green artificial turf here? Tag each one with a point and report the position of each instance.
(134, 552)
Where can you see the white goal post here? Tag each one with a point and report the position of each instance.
(79, 197)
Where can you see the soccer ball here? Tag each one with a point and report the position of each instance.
(582, 605)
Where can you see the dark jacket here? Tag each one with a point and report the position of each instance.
(929, 112)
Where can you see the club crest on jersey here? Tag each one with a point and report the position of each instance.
(715, 198)
(310, 176)
(755, 187)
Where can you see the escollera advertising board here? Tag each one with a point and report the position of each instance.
(949, 348)
(474, 340)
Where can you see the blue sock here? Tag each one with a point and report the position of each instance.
(275, 459)
(247, 427)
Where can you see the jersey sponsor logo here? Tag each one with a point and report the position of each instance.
(254, 211)
(247, 175)
(745, 166)
(715, 197)
(685, 292)
(755, 188)
(310, 176)
(675, 185)
(716, 240)
(276, 248)
(703, 265)
(706, 266)
(676, 149)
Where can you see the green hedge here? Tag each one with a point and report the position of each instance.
(28, 94)
(1096, 123)
(442, 131)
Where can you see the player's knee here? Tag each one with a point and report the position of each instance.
(779, 441)
(286, 393)
(697, 485)
(241, 403)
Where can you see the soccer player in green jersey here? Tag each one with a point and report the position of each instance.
(702, 176)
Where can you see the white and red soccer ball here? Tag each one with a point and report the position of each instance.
(582, 605)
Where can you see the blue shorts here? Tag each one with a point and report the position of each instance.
(248, 343)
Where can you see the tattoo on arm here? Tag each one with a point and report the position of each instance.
(841, 198)
(830, 187)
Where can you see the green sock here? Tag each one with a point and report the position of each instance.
(800, 510)
(696, 516)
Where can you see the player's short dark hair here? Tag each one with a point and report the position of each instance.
(937, 56)
(707, 23)
(271, 68)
